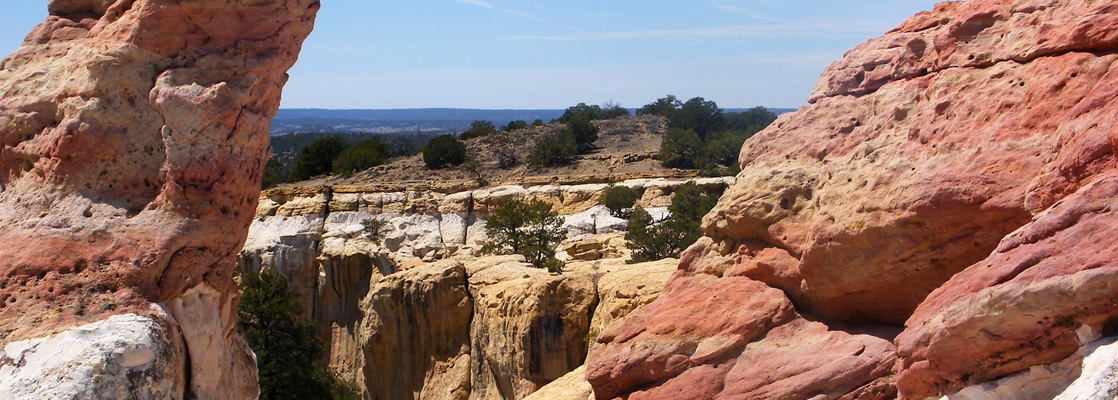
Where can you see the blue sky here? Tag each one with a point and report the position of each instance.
(552, 54)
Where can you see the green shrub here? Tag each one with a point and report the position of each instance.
(275, 173)
(680, 149)
(374, 227)
(580, 127)
(612, 110)
(669, 238)
(591, 112)
(663, 106)
(443, 151)
(288, 350)
(478, 129)
(366, 154)
(474, 167)
(514, 125)
(555, 149)
(318, 158)
(530, 229)
(618, 199)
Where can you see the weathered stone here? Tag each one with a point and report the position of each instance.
(622, 291)
(415, 338)
(123, 356)
(572, 386)
(896, 196)
(529, 328)
(134, 133)
(1023, 305)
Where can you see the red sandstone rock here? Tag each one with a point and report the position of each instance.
(132, 136)
(971, 153)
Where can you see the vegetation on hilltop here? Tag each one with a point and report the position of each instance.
(667, 137)
(301, 156)
(702, 136)
(443, 151)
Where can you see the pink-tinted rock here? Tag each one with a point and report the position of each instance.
(132, 136)
(970, 153)
(1024, 304)
(733, 338)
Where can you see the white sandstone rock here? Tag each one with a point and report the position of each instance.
(122, 357)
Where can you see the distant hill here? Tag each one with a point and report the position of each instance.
(399, 120)
(426, 120)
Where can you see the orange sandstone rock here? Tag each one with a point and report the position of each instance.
(957, 173)
(132, 137)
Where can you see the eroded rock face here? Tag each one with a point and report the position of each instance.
(415, 340)
(529, 327)
(133, 134)
(955, 178)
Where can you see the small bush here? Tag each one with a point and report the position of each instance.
(506, 159)
(366, 154)
(553, 265)
(612, 110)
(318, 158)
(591, 112)
(374, 227)
(514, 125)
(580, 127)
(473, 167)
(443, 151)
(529, 229)
(680, 148)
(478, 129)
(619, 199)
(552, 150)
(669, 238)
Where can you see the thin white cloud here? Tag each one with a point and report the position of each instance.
(477, 3)
(724, 32)
(487, 5)
(744, 12)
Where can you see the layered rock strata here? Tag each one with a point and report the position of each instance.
(132, 137)
(465, 327)
(937, 220)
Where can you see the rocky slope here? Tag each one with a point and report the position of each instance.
(132, 136)
(422, 314)
(937, 222)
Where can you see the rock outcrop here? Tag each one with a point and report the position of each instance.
(939, 219)
(420, 314)
(132, 137)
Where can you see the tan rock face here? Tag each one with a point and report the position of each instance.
(412, 351)
(529, 328)
(957, 173)
(133, 134)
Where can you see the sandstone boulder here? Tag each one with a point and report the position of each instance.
(898, 199)
(133, 138)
